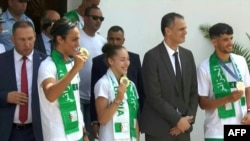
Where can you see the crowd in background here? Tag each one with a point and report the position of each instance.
(69, 83)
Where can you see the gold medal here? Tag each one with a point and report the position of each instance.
(240, 86)
(124, 80)
(85, 52)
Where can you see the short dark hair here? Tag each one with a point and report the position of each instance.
(22, 24)
(45, 21)
(168, 20)
(115, 28)
(219, 29)
(61, 28)
(88, 9)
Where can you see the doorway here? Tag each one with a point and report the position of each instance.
(36, 9)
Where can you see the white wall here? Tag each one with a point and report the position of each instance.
(73, 4)
(141, 22)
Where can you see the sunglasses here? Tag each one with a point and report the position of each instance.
(96, 17)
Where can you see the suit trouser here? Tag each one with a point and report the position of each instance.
(22, 134)
(182, 137)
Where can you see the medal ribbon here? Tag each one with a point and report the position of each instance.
(234, 74)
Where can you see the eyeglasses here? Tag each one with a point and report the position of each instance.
(96, 17)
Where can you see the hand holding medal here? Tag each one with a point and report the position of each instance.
(85, 52)
(81, 55)
(124, 80)
(121, 89)
(240, 86)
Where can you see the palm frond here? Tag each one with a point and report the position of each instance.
(248, 36)
(240, 50)
(204, 28)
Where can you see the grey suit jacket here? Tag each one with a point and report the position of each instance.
(159, 114)
(7, 84)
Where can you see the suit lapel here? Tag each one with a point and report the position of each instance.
(184, 67)
(36, 64)
(167, 61)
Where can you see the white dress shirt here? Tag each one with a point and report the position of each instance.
(29, 65)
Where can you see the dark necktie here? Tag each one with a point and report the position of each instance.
(23, 111)
(178, 75)
(178, 70)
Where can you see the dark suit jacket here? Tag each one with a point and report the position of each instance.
(99, 68)
(159, 114)
(7, 84)
(39, 44)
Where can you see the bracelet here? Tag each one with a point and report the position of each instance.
(94, 122)
(116, 101)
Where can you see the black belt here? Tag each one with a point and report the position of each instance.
(22, 126)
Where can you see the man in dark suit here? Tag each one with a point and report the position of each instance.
(43, 41)
(170, 88)
(99, 68)
(15, 124)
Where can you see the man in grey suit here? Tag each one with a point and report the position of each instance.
(170, 87)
